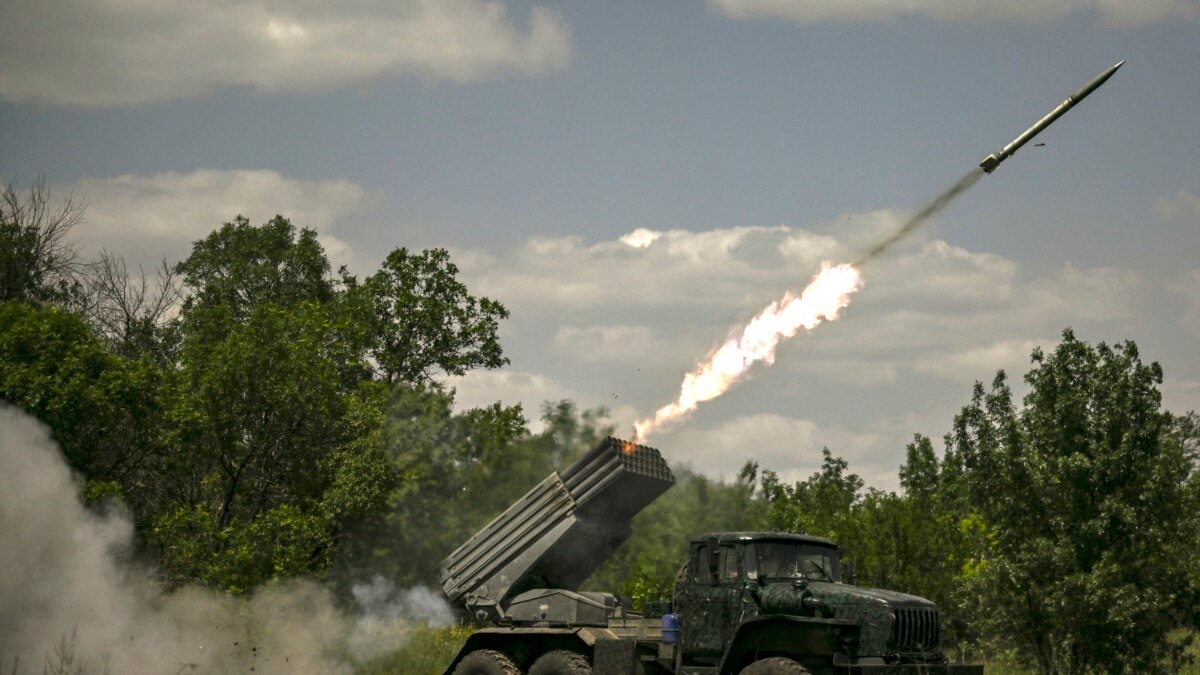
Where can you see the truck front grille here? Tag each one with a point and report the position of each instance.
(915, 629)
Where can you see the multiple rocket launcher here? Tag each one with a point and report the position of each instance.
(563, 529)
(557, 535)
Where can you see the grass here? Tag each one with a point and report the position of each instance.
(428, 652)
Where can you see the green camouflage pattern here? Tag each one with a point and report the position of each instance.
(712, 609)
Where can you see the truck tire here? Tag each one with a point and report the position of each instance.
(486, 662)
(776, 665)
(561, 662)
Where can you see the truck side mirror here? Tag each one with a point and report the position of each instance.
(714, 562)
(851, 574)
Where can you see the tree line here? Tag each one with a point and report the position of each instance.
(263, 416)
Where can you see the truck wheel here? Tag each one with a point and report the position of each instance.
(561, 662)
(486, 662)
(774, 666)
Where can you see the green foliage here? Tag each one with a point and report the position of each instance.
(1091, 534)
(240, 268)
(102, 408)
(457, 471)
(452, 472)
(422, 320)
(250, 434)
(914, 542)
(821, 505)
(427, 652)
(910, 542)
(278, 543)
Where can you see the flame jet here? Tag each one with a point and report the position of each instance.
(993, 160)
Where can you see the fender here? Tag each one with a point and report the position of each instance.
(784, 635)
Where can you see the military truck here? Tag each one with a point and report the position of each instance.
(744, 603)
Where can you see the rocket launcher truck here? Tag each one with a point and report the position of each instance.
(744, 603)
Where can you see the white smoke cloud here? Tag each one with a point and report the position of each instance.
(101, 53)
(1109, 12)
(62, 576)
(387, 615)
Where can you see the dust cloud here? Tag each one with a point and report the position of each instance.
(66, 585)
(928, 211)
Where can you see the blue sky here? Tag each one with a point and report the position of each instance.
(760, 136)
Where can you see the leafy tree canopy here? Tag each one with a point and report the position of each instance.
(1084, 504)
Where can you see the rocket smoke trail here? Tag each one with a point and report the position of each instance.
(820, 301)
(928, 211)
(827, 293)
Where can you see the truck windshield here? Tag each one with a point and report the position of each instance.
(784, 560)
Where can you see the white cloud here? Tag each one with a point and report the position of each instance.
(672, 270)
(975, 363)
(1180, 395)
(481, 388)
(604, 343)
(1181, 207)
(930, 308)
(1188, 287)
(630, 316)
(791, 446)
(1111, 12)
(102, 53)
(786, 445)
(144, 217)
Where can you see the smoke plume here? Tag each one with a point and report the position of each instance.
(820, 301)
(928, 211)
(65, 585)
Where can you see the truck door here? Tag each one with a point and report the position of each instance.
(708, 608)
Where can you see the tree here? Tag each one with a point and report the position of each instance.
(240, 267)
(103, 408)
(263, 423)
(134, 316)
(914, 541)
(423, 320)
(821, 506)
(1090, 533)
(38, 263)
(283, 427)
(646, 566)
(457, 471)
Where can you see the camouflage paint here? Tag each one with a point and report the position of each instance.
(712, 610)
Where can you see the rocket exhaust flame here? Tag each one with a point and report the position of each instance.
(820, 301)
(827, 293)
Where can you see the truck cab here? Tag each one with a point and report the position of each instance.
(745, 598)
